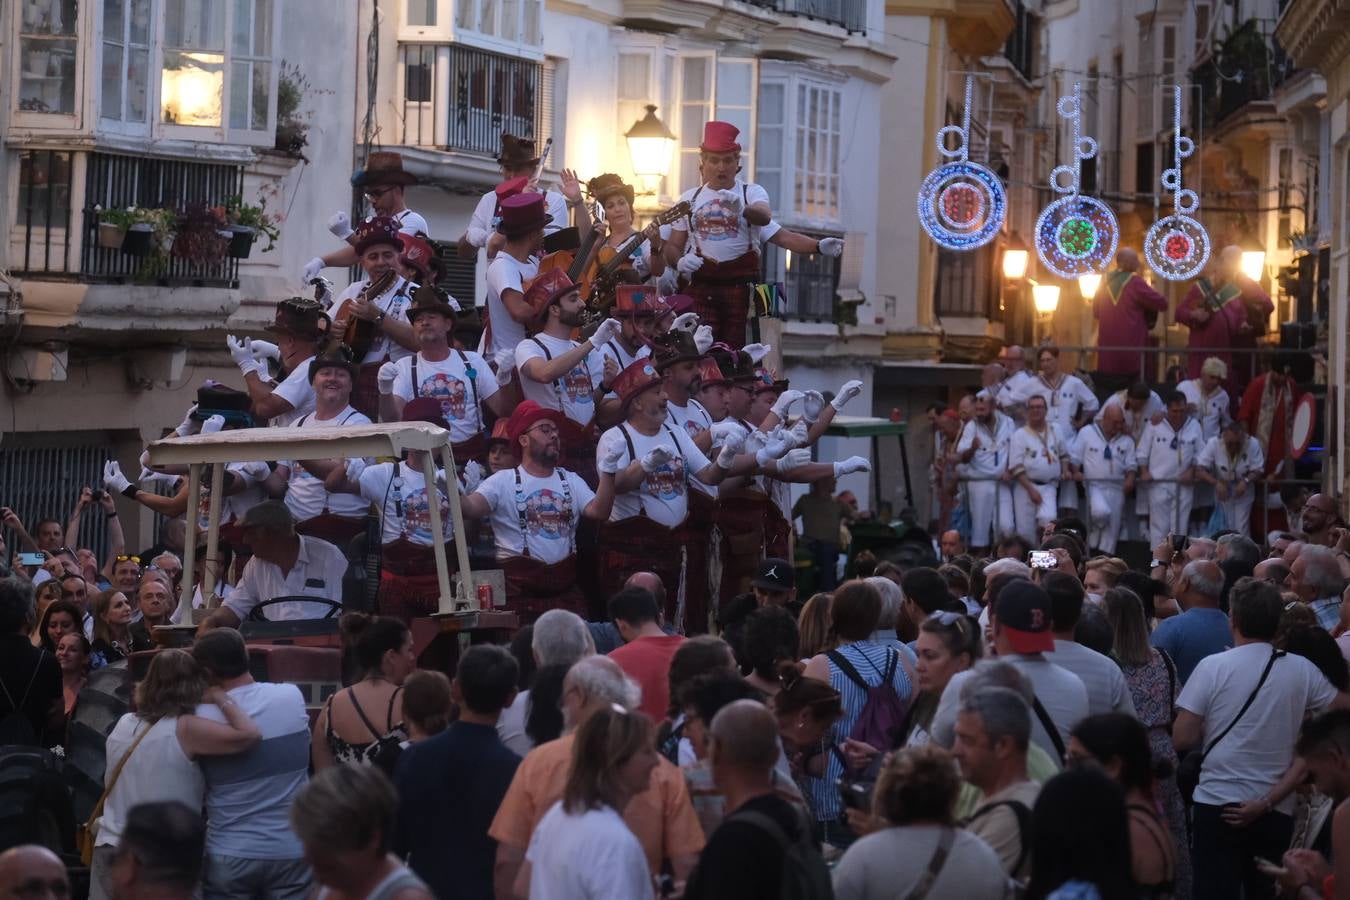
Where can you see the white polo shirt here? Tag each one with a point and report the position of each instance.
(317, 572)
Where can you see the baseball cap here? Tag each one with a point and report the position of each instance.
(775, 574)
(1023, 613)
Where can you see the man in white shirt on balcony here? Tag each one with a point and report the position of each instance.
(982, 451)
(1167, 456)
(383, 180)
(1103, 458)
(518, 160)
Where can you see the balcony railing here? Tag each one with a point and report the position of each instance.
(850, 14)
(810, 282)
(461, 98)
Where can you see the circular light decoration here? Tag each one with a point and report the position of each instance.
(961, 203)
(1177, 246)
(1075, 235)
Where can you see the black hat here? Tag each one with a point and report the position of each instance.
(1023, 613)
(428, 299)
(775, 574)
(673, 347)
(339, 357)
(214, 399)
(302, 318)
(517, 152)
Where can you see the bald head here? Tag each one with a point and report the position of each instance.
(1291, 552)
(1014, 358)
(1127, 260)
(32, 871)
(648, 581)
(1273, 570)
(1201, 548)
(745, 737)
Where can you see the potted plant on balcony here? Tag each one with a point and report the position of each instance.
(246, 223)
(132, 230)
(200, 235)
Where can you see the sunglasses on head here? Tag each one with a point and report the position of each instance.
(135, 559)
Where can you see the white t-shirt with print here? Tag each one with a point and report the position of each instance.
(448, 380)
(402, 501)
(506, 273)
(306, 496)
(616, 351)
(663, 494)
(721, 232)
(574, 393)
(551, 513)
(394, 302)
(234, 505)
(296, 390)
(691, 419)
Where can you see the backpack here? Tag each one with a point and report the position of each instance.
(882, 719)
(1023, 814)
(804, 875)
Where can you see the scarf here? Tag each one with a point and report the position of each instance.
(1116, 283)
(1272, 399)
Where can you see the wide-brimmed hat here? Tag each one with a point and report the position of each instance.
(427, 299)
(516, 152)
(720, 137)
(302, 318)
(417, 253)
(635, 379)
(673, 347)
(607, 185)
(547, 289)
(635, 300)
(375, 231)
(522, 214)
(383, 167)
(337, 357)
(527, 414)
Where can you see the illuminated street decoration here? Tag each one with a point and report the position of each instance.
(961, 203)
(1177, 246)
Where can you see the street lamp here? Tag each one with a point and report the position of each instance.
(1088, 284)
(1016, 257)
(1045, 297)
(650, 146)
(1253, 264)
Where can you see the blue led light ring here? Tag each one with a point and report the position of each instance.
(1177, 246)
(986, 205)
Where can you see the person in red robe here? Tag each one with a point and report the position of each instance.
(1224, 310)
(1267, 411)
(1125, 306)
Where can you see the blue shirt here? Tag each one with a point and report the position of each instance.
(1191, 636)
(449, 788)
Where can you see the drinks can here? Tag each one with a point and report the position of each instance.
(485, 596)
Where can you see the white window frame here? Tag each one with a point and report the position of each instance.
(518, 43)
(47, 121)
(788, 206)
(443, 30)
(121, 124)
(688, 143)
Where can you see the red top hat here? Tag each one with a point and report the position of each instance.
(710, 373)
(679, 304)
(720, 137)
(635, 300)
(375, 231)
(417, 253)
(500, 433)
(546, 290)
(424, 409)
(635, 379)
(527, 414)
(522, 214)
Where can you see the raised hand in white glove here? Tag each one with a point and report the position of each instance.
(731, 448)
(832, 246)
(153, 477)
(757, 352)
(785, 401)
(727, 430)
(340, 224)
(851, 465)
(813, 404)
(113, 479)
(778, 443)
(384, 379)
(213, 424)
(264, 350)
(606, 331)
(793, 459)
(657, 457)
(846, 393)
(312, 269)
(506, 365)
(799, 433)
(473, 475)
(685, 322)
(188, 426)
(241, 351)
(689, 264)
(703, 338)
(609, 460)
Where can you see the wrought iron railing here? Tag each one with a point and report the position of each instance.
(851, 14)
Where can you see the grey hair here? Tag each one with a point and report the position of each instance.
(1321, 570)
(1006, 566)
(1195, 575)
(600, 678)
(561, 638)
(891, 596)
(993, 673)
(167, 554)
(1003, 712)
(1241, 549)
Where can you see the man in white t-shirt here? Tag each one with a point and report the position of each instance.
(334, 517)
(1232, 462)
(1243, 802)
(982, 451)
(1037, 460)
(522, 224)
(301, 327)
(535, 509)
(376, 309)
(383, 182)
(459, 380)
(1101, 675)
(518, 161)
(1102, 457)
(1169, 451)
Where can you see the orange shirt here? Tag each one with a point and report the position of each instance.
(661, 817)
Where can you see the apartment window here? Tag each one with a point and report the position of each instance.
(421, 13)
(1144, 173)
(771, 143)
(251, 64)
(1202, 22)
(127, 33)
(1286, 185)
(1145, 86)
(47, 56)
(817, 151)
(798, 144)
(809, 281)
(967, 285)
(509, 21)
(712, 88)
(217, 68)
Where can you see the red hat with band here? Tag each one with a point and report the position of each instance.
(710, 373)
(527, 415)
(720, 137)
(635, 379)
(522, 214)
(417, 253)
(635, 300)
(546, 290)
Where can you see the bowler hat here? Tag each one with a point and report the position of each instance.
(516, 152)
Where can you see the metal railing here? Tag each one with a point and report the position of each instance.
(850, 14)
(41, 482)
(1168, 357)
(44, 210)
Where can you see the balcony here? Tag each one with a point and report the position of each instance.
(1246, 69)
(850, 15)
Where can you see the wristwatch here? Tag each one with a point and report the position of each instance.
(379, 320)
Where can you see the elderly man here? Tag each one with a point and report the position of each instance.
(1102, 456)
(1016, 376)
(1317, 580)
(32, 872)
(983, 454)
(284, 564)
(560, 638)
(661, 817)
(1205, 397)
(1167, 455)
(1037, 459)
(951, 545)
(1267, 409)
(1232, 463)
(301, 327)
(1202, 629)
(1126, 306)
(160, 855)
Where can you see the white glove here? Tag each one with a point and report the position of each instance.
(506, 365)
(756, 441)
(832, 247)
(689, 264)
(777, 444)
(799, 433)
(263, 350)
(354, 468)
(213, 424)
(657, 457)
(793, 459)
(785, 401)
(846, 393)
(851, 465)
(703, 338)
(731, 448)
(757, 352)
(341, 225)
(473, 475)
(685, 322)
(312, 269)
(813, 404)
(188, 426)
(606, 331)
(731, 199)
(241, 352)
(113, 479)
(152, 477)
(727, 430)
(609, 462)
(384, 380)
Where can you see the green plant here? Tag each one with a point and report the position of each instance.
(246, 215)
(132, 215)
(292, 124)
(197, 236)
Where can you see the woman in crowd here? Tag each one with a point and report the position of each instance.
(47, 593)
(346, 730)
(72, 655)
(854, 612)
(1100, 576)
(814, 627)
(345, 817)
(948, 643)
(61, 618)
(113, 639)
(914, 798)
(805, 709)
(155, 748)
(426, 704)
(1119, 744)
(770, 638)
(582, 848)
(696, 657)
(1080, 844)
(1152, 679)
(1315, 644)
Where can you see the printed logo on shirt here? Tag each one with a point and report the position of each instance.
(691, 427)
(718, 220)
(576, 384)
(666, 482)
(417, 514)
(452, 393)
(548, 515)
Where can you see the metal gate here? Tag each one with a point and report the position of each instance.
(45, 482)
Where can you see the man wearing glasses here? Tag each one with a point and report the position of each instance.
(383, 181)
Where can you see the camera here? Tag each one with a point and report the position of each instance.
(856, 794)
(99, 494)
(1179, 543)
(1042, 559)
